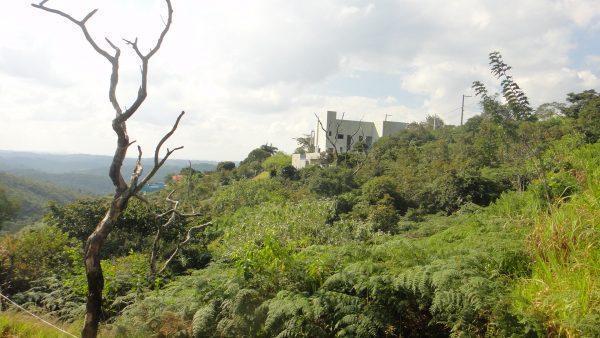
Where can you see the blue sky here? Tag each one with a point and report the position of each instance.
(249, 72)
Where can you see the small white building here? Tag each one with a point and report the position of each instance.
(300, 161)
(343, 135)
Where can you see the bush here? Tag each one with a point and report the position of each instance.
(384, 217)
(277, 162)
(331, 181)
(225, 166)
(247, 193)
(289, 172)
(8, 207)
(131, 232)
(383, 188)
(588, 121)
(450, 191)
(35, 254)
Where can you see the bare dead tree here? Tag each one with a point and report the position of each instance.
(352, 139)
(123, 191)
(327, 137)
(337, 130)
(174, 214)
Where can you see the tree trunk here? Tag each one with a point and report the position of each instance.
(95, 281)
(93, 270)
(123, 191)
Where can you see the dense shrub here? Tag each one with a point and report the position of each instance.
(331, 181)
(131, 232)
(35, 254)
(247, 193)
(225, 166)
(277, 162)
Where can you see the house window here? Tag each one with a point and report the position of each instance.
(349, 142)
(341, 149)
(330, 133)
(340, 136)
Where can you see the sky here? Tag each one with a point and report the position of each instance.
(254, 72)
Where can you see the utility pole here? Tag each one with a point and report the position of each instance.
(462, 108)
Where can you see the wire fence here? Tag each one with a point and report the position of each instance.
(35, 316)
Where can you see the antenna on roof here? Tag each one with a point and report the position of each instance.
(386, 116)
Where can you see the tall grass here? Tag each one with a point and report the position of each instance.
(23, 326)
(563, 292)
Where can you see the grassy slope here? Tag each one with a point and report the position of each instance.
(20, 325)
(564, 289)
(515, 264)
(458, 263)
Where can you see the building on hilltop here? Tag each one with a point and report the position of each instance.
(340, 135)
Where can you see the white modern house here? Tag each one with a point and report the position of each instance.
(343, 135)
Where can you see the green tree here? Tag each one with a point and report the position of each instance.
(588, 119)
(34, 254)
(225, 166)
(276, 162)
(331, 181)
(517, 107)
(305, 144)
(8, 207)
(577, 101)
(131, 232)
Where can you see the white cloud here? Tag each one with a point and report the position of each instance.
(249, 72)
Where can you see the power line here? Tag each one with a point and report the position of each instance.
(448, 112)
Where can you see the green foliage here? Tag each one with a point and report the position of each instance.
(305, 144)
(205, 320)
(562, 293)
(275, 163)
(31, 197)
(578, 101)
(452, 190)
(8, 207)
(256, 155)
(247, 193)
(125, 278)
(331, 181)
(23, 326)
(225, 166)
(131, 232)
(35, 254)
(517, 107)
(588, 119)
(384, 217)
(289, 172)
(484, 230)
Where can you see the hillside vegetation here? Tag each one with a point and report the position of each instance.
(29, 198)
(86, 174)
(487, 229)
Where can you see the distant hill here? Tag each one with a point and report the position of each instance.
(33, 197)
(86, 174)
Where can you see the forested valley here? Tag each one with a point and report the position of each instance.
(485, 229)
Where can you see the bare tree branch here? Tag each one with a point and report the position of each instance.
(184, 242)
(137, 170)
(158, 162)
(173, 214)
(81, 24)
(142, 91)
(164, 32)
(335, 152)
(123, 191)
